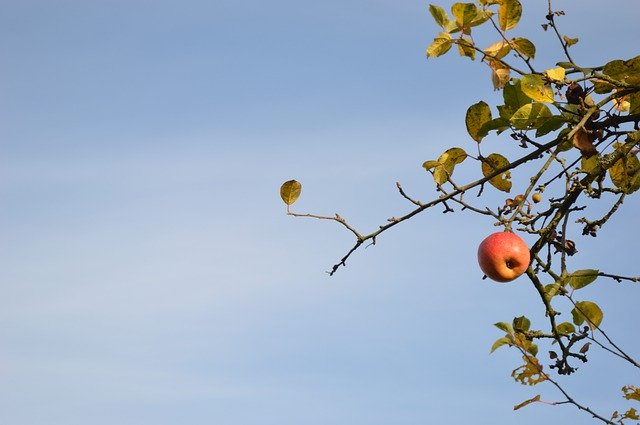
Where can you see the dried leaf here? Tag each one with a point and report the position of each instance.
(500, 74)
(530, 373)
(584, 142)
(524, 403)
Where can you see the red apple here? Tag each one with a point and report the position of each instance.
(503, 256)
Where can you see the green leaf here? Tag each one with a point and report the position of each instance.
(499, 124)
(566, 328)
(477, 116)
(552, 289)
(625, 174)
(505, 340)
(589, 312)
(581, 278)
(439, 15)
(570, 41)
(624, 71)
(441, 45)
(524, 47)
(290, 191)
(526, 402)
(509, 13)
(504, 326)
(521, 324)
(536, 88)
(602, 86)
(466, 48)
(513, 95)
(532, 115)
(552, 124)
(494, 162)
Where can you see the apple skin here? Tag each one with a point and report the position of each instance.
(503, 256)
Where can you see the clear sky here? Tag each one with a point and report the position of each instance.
(149, 274)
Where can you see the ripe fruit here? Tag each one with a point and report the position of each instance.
(536, 197)
(503, 256)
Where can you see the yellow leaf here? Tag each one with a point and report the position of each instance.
(498, 50)
(555, 74)
(441, 45)
(509, 13)
(534, 86)
(290, 191)
(492, 163)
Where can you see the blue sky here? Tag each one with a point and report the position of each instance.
(149, 274)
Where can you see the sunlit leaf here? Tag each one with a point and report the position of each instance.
(290, 191)
(521, 324)
(534, 86)
(631, 392)
(482, 17)
(464, 13)
(439, 15)
(566, 328)
(498, 50)
(466, 48)
(526, 402)
(555, 74)
(570, 41)
(509, 13)
(625, 174)
(504, 326)
(441, 45)
(500, 74)
(427, 165)
(581, 278)
(524, 47)
(505, 340)
(531, 373)
(495, 162)
(589, 312)
(631, 414)
(589, 164)
(443, 167)
(477, 116)
(531, 115)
